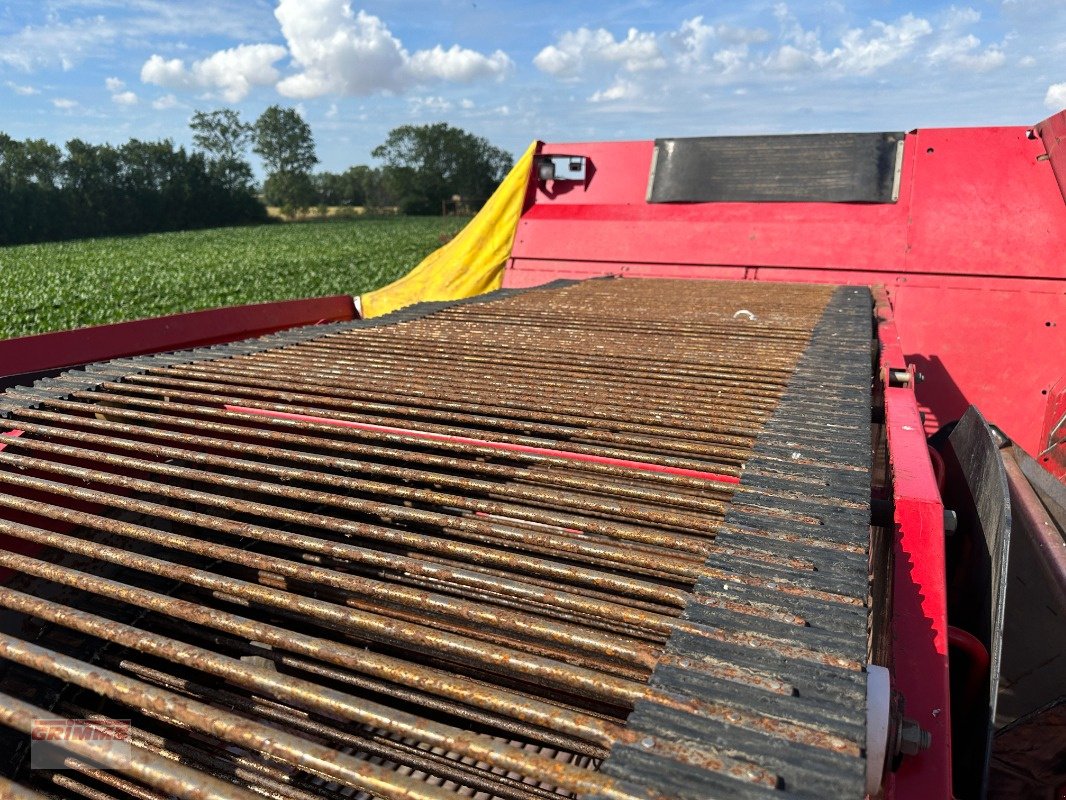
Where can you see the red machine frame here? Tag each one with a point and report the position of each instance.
(972, 260)
(919, 627)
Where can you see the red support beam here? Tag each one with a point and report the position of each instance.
(46, 351)
(919, 591)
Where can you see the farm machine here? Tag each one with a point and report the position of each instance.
(693, 468)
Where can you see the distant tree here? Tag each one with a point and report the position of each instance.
(30, 201)
(356, 186)
(225, 138)
(292, 191)
(101, 190)
(426, 164)
(284, 141)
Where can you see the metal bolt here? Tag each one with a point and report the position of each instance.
(913, 739)
(647, 742)
(951, 521)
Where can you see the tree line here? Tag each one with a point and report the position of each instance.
(86, 190)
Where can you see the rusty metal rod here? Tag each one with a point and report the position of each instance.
(113, 781)
(411, 347)
(240, 731)
(402, 492)
(610, 648)
(391, 564)
(465, 527)
(475, 554)
(603, 376)
(370, 743)
(619, 401)
(693, 457)
(400, 413)
(229, 764)
(517, 406)
(146, 767)
(418, 638)
(619, 393)
(508, 481)
(349, 440)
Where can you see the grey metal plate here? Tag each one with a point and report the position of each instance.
(822, 167)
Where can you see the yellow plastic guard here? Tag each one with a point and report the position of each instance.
(471, 263)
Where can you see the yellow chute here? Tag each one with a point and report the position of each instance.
(472, 262)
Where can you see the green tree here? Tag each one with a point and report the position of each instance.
(427, 164)
(293, 191)
(225, 138)
(30, 201)
(284, 141)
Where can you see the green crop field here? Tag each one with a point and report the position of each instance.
(46, 287)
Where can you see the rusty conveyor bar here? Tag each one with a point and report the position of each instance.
(439, 575)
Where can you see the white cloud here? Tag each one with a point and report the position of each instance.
(346, 53)
(114, 84)
(961, 17)
(466, 103)
(576, 51)
(620, 90)
(164, 102)
(457, 64)
(720, 53)
(1055, 99)
(55, 43)
(231, 73)
(862, 51)
(960, 49)
(432, 105)
(124, 99)
(694, 43)
(64, 104)
(25, 91)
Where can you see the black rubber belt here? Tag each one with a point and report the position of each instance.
(816, 449)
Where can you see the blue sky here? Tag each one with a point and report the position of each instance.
(107, 70)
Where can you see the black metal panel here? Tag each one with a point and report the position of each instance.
(1027, 761)
(823, 167)
(982, 501)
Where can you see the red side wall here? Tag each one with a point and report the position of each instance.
(45, 351)
(973, 256)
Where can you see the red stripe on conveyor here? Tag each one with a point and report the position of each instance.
(517, 448)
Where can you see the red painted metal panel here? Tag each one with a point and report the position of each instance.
(816, 235)
(1052, 454)
(194, 329)
(990, 347)
(983, 204)
(1053, 133)
(919, 592)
